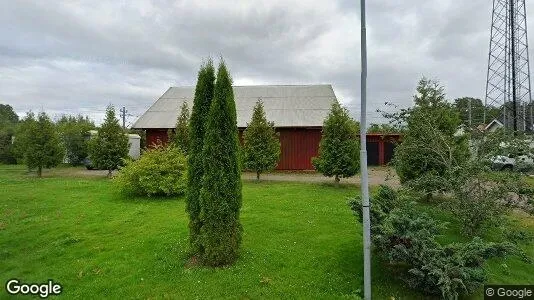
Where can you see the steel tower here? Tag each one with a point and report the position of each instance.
(508, 76)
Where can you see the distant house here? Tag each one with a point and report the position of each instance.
(493, 125)
(298, 112)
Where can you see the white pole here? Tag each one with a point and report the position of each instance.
(364, 186)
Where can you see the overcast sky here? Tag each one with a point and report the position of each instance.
(79, 56)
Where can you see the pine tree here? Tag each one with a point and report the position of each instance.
(261, 145)
(339, 147)
(220, 196)
(201, 106)
(39, 143)
(181, 134)
(109, 147)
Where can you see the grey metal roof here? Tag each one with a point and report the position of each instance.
(285, 105)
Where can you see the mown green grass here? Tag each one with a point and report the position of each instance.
(300, 241)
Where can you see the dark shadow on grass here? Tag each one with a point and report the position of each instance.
(137, 199)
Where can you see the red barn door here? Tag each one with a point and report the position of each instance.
(298, 147)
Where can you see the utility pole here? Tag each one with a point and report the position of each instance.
(364, 185)
(470, 122)
(123, 112)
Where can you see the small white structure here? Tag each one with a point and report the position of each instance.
(134, 141)
(493, 125)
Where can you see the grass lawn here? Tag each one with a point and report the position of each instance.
(300, 241)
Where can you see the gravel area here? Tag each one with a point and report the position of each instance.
(377, 176)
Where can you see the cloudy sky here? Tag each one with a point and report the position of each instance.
(79, 56)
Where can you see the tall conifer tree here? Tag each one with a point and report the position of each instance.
(340, 146)
(109, 147)
(201, 106)
(220, 196)
(261, 145)
(181, 134)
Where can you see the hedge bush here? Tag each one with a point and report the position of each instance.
(159, 172)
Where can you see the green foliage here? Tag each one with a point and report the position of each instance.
(8, 122)
(429, 147)
(339, 147)
(38, 143)
(197, 128)
(383, 128)
(461, 105)
(7, 155)
(74, 134)
(159, 172)
(181, 134)
(481, 200)
(109, 147)
(7, 115)
(220, 196)
(261, 145)
(407, 238)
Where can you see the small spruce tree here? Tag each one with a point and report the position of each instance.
(39, 143)
(339, 147)
(181, 134)
(109, 147)
(201, 106)
(261, 145)
(220, 196)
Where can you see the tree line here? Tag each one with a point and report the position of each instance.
(40, 143)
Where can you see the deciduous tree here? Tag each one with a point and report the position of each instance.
(261, 145)
(430, 146)
(38, 142)
(8, 122)
(74, 133)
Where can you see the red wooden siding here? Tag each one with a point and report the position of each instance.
(156, 137)
(300, 145)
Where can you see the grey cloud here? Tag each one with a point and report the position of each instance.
(79, 56)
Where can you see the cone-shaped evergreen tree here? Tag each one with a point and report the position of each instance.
(261, 145)
(340, 146)
(109, 147)
(199, 115)
(181, 134)
(220, 196)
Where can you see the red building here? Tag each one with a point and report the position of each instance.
(298, 113)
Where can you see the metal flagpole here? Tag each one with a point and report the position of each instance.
(363, 163)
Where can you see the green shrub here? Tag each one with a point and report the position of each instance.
(407, 239)
(481, 200)
(161, 171)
